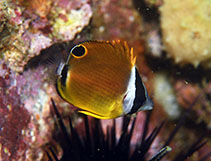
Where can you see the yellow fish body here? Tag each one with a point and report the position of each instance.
(101, 79)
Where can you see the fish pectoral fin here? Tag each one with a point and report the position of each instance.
(94, 115)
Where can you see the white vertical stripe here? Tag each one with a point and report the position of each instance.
(130, 93)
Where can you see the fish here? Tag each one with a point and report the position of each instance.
(100, 78)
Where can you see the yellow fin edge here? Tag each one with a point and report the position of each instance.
(94, 115)
(133, 57)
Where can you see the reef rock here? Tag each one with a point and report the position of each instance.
(27, 27)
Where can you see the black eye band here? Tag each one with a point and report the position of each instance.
(64, 75)
(78, 51)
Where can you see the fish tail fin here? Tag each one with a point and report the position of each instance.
(148, 105)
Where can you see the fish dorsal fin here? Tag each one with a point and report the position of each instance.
(120, 49)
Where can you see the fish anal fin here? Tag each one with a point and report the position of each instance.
(94, 115)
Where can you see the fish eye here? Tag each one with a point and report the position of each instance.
(79, 51)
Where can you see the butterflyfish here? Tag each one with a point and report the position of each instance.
(100, 78)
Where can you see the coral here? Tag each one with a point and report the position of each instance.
(186, 30)
(27, 27)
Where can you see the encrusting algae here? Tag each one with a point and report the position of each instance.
(70, 22)
(27, 28)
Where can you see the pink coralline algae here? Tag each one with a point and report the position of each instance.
(27, 27)
(25, 122)
(14, 119)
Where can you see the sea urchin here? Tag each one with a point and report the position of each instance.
(97, 145)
